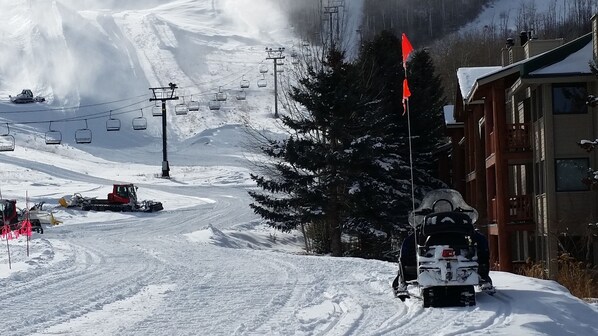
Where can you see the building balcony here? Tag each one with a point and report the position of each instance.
(518, 137)
(519, 210)
(517, 147)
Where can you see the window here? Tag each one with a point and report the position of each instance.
(570, 174)
(569, 98)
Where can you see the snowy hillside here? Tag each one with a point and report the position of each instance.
(86, 62)
(205, 265)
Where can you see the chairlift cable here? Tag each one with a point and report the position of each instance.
(74, 107)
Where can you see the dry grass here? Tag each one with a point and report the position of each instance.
(574, 275)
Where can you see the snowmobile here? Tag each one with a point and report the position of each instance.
(441, 256)
(25, 97)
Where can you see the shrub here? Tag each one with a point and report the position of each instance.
(578, 277)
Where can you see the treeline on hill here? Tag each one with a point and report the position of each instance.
(343, 174)
(434, 24)
(482, 46)
(424, 20)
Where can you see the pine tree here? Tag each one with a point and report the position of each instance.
(426, 108)
(382, 68)
(312, 179)
(346, 169)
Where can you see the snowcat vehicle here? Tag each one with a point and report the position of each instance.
(13, 217)
(123, 198)
(441, 256)
(25, 97)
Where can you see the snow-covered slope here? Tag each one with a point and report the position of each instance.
(87, 59)
(205, 265)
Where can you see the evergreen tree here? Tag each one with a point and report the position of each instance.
(384, 199)
(346, 166)
(382, 68)
(312, 179)
(426, 109)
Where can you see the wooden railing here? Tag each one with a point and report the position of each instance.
(518, 137)
(519, 207)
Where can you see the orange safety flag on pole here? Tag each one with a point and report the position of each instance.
(407, 48)
(406, 94)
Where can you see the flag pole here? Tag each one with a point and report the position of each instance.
(410, 156)
(406, 49)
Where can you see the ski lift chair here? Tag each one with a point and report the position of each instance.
(244, 83)
(193, 105)
(221, 95)
(53, 137)
(279, 69)
(181, 109)
(263, 68)
(294, 60)
(157, 110)
(279, 61)
(83, 135)
(241, 95)
(112, 124)
(139, 123)
(7, 141)
(214, 105)
(262, 82)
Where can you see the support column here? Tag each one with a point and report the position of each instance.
(502, 191)
(163, 94)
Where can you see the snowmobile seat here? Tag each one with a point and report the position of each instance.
(447, 222)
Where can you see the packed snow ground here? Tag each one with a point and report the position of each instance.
(206, 265)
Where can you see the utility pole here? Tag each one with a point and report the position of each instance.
(331, 10)
(275, 55)
(163, 94)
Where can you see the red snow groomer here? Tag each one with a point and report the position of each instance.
(123, 198)
(14, 217)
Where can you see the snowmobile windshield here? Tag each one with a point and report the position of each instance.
(441, 200)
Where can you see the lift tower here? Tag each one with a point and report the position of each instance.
(163, 94)
(275, 55)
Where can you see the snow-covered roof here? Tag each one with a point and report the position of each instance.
(449, 114)
(574, 58)
(468, 76)
(576, 63)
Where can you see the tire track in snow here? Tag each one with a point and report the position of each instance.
(499, 309)
(67, 296)
(36, 280)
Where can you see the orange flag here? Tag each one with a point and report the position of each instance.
(407, 48)
(406, 94)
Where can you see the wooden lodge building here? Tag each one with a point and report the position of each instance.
(515, 154)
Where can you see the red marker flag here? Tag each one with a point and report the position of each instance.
(6, 232)
(25, 228)
(406, 95)
(407, 48)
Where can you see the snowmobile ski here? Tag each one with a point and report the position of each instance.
(402, 294)
(488, 289)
